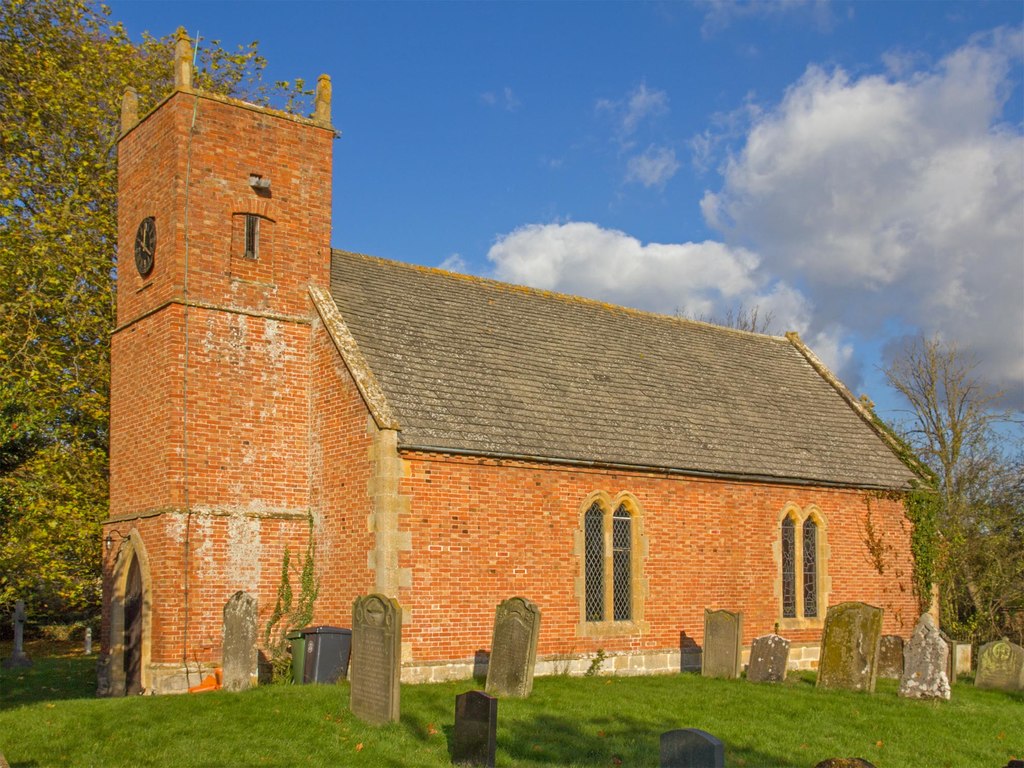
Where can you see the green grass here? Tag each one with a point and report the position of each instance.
(48, 717)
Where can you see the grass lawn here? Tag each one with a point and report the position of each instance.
(49, 717)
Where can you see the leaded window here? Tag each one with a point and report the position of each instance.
(609, 538)
(810, 553)
(788, 568)
(593, 562)
(622, 573)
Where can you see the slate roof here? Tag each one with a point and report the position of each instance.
(477, 366)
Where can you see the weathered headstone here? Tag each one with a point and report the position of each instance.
(239, 659)
(18, 657)
(513, 648)
(723, 632)
(475, 737)
(769, 658)
(690, 748)
(1000, 665)
(890, 657)
(961, 660)
(689, 654)
(849, 647)
(375, 668)
(955, 653)
(924, 669)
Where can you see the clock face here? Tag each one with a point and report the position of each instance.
(145, 246)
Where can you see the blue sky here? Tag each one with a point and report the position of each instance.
(856, 169)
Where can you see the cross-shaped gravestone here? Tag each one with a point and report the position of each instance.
(18, 657)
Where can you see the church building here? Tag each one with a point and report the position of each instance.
(448, 440)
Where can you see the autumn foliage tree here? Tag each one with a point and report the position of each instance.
(979, 485)
(64, 66)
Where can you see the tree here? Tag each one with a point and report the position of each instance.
(64, 66)
(740, 318)
(980, 490)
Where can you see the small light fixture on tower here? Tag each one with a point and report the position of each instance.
(258, 182)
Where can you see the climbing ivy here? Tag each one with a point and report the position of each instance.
(285, 617)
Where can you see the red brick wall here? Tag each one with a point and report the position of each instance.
(484, 531)
(210, 374)
(229, 142)
(341, 475)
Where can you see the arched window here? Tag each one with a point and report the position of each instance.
(593, 562)
(611, 546)
(622, 569)
(810, 550)
(802, 552)
(788, 568)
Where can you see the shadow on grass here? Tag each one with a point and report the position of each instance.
(57, 673)
(619, 740)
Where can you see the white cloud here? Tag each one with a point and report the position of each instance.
(653, 167)
(697, 279)
(894, 195)
(641, 104)
(506, 100)
(720, 14)
(454, 263)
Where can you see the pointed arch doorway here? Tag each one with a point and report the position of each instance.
(130, 619)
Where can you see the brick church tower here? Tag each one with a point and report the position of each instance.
(224, 224)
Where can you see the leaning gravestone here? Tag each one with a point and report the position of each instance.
(924, 670)
(849, 647)
(239, 660)
(723, 632)
(375, 668)
(890, 657)
(475, 737)
(513, 648)
(18, 657)
(769, 657)
(1000, 665)
(690, 748)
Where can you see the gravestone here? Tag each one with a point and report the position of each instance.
(956, 651)
(962, 658)
(375, 667)
(924, 670)
(769, 658)
(88, 641)
(689, 654)
(690, 748)
(475, 737)
(1000, 665)
(849, 647)
(890, 657)
(239, 659)
(845, 762)
(18, 657)
(723, 631)
(513, 648)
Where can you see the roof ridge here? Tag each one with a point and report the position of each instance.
(564, 297)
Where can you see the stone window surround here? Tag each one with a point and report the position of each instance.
(798, 516)
(638, 555)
